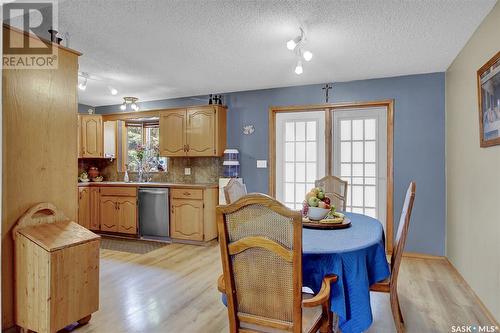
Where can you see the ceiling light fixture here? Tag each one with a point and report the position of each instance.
(307, 55)
(298, 69)
(83, 85)
(297, 45)
(85, 77)
(130, 101)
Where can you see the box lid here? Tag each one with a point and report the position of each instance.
(58, 235)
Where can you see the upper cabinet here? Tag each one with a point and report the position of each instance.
(91, 143)
(196, 131)
(172, 133)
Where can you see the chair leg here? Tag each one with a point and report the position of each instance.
(396, 313)
(326, 327)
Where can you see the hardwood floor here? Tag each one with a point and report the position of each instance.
(173, 289)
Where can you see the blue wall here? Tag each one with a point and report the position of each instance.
(419, 140)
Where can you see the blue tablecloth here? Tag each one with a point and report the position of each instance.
(357, 256)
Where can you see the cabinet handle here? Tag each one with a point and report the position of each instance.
(186, 193)
(187, 147)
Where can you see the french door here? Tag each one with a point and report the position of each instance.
(360, 158)
(300, 154)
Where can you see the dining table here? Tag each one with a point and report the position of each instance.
(357, 256)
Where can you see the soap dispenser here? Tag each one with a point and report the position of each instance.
(126, 179)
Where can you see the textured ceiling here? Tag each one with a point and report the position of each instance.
(161, 49)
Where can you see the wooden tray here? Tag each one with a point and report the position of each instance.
(311, 224)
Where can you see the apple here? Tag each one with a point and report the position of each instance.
(321, 195)
(327, 200)
(321, 204)
(310, 195)
(313, 202)
(327, 206)
(316, 190)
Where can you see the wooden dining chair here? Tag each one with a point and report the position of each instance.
(261, 251)
(390, 285)
(234, 190)
(335, 189)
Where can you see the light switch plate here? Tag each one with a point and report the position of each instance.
(187, 171)
(262, 164)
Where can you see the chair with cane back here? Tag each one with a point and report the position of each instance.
(261, 252)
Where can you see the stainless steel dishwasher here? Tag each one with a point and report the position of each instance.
(154, 213)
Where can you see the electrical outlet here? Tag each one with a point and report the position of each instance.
(187, 171)
(262, 164)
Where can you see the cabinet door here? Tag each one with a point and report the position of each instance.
(127, 216)
(94, 209)
(186, 219)
(173, 133)
(108, 208)
(84, 207)
(91, 128)
(79, 140)
(200, 138)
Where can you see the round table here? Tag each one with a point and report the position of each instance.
(357, 256)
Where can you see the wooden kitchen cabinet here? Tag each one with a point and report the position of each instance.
(91, 142)
(84, 209)
(193, 131)
(118, 209)
(186, 219)
(127, 215)
(94, 223)
(108, 213)
(172, 133)
(192, 214)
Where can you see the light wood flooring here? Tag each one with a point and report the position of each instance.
(173, 289)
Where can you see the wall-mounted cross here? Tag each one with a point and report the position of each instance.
(327, 88)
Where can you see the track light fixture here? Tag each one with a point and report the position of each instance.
(130, 101)
(85, 77)
(297, 45)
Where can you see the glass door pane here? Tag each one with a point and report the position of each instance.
(300, 155)
(360, 158)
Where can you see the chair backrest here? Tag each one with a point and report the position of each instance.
(261, 252)
(335, 189)
(234, 190)
(402, 233)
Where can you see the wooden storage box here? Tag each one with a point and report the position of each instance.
(57, 271)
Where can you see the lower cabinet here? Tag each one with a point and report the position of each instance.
(84, 207)
(94, 209)
(108, 213)
(118, 214)
(127, 215)
(186, 219)
(114, 209)
(192, 214)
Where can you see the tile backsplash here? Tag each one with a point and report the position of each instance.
(203, 170)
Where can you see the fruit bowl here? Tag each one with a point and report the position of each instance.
(316, 213)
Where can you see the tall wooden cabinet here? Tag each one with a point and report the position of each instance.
(194, 131)
(84, 207)
(91, 140)
(39, 108)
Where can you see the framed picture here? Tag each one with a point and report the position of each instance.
(488, 81)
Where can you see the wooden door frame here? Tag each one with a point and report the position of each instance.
(329, 108)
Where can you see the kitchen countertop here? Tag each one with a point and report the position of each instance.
(150, 184)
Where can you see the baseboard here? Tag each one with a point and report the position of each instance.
(416, 255)
(481, 304)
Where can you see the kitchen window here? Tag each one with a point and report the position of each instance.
(141, 143)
